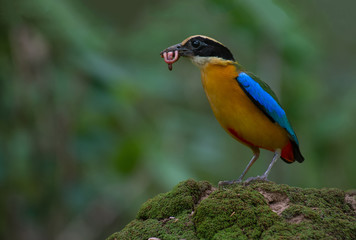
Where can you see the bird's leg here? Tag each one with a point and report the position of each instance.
(276, 156)
(252, 161)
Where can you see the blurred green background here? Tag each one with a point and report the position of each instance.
(93, 123)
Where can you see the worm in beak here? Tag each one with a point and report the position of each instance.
(170, 57)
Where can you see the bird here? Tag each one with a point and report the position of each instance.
(245, 106)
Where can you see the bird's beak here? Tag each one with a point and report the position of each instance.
(182, 50)
(172, 54)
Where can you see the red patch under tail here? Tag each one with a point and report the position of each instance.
(287, 153)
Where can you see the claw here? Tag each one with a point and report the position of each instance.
(258, 178)
(224, 183)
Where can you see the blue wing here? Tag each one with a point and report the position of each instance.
(260, 93)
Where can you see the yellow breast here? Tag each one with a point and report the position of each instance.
(236, 113)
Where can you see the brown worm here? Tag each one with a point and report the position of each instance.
(170, 58)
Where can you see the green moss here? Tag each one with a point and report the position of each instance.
(180, 228)
(242, 212)
(283, 230)
(182, 198)
(233, 232)
(238, 207)
(168, 229)
(324, 211)
(138, 229)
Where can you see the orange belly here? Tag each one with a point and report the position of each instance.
(236, 113)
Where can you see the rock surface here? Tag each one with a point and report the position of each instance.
(259, 210)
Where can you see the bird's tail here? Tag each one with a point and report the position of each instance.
(291, 152)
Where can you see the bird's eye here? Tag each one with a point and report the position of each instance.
(196, 43)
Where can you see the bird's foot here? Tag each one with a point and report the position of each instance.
(258, 178)
(225, 183)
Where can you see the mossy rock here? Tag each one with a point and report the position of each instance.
(259, 210)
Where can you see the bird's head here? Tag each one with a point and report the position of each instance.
(200, 49)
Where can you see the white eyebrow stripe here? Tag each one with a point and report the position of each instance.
(212, 39)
